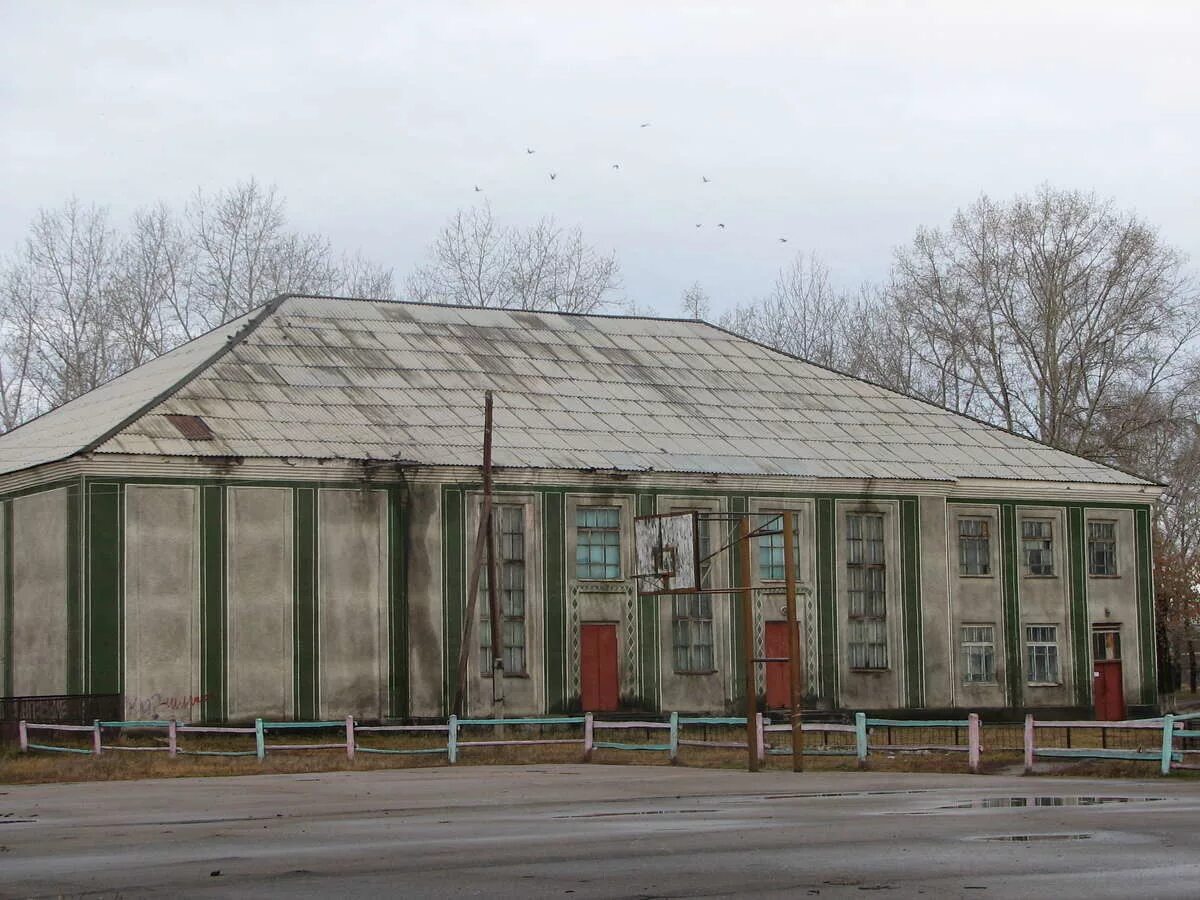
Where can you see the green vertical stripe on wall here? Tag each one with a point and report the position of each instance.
(304, 532)
(398, 691)
(7, 633)
(1145, 601)
(1012, 604)
(914, 653)
(1080, 638)
(648, 630)
(75, 641)
(453, 589)
(104, 554)
(212, 599)
(556, 640)
(737, 578)
(827, 620)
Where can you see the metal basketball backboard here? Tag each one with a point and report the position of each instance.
(667, 553)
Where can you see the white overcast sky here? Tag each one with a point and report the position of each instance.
(842, 126)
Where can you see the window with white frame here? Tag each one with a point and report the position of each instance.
(1037, 546)
(866, 580)
(598, 543)
(510, 564)
(1041, 654)
(1102, 547)
(974, 546)
(979, 654)
(692, 618)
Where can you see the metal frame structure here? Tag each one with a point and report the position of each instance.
(742, 532)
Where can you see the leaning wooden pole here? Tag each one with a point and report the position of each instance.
(751, 686)
(493, 568)
(795, 648)
(477, 562)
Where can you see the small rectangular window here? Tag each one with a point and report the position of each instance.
(1102, 547)
(1037, 546)
(1106, 644)
(510, 550)
(598, 543)
(979, 654)
(974, 547)
(1041, 654)
(866, 581)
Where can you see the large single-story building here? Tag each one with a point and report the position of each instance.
(276, 519)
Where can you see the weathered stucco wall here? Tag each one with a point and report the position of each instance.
(424, 561)
(40, 575)
(260, 603)
(1113, 599)
(937, 631)
(162, 603)
(977, 600)
(352, 602)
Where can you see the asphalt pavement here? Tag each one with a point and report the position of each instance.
(602, 831)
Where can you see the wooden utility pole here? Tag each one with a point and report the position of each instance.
(795, 649)
(748, 654)
(484, 544)
(493, 568)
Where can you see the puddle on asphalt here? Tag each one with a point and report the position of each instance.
(1026, 838)
(640, 812)
(1025, 802)
(819, 796)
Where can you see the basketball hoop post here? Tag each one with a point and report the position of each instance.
(796, 673)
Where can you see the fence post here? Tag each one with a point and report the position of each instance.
(760, 737)
(1028, 742)
(260, 740)
(860, 738)
(674, 738)
(350, 738)
(588, 737)
(452, 740)
(172, 739)
(23, 735)
(973, 748)
(1168, 742)
(96, 737)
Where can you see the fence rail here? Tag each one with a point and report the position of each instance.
(1167, 740)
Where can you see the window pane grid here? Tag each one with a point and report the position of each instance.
(1037, 546)
(866, 587)
(1041, 648)
(598, 543)
(979, 654)
(1102, 548)
(974, 547)
(510, 563)
(691, 617)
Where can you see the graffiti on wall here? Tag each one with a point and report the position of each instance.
(163, 706)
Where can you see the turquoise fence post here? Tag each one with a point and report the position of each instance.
(452, 740)
(860, 738)
(674, 738)
(260, 740)
(1168, 743)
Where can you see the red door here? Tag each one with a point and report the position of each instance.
(1108, 691)
(598, 666)
(775, 643)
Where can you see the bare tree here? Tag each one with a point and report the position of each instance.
(476, 262)
(695, 302)
(803, 315)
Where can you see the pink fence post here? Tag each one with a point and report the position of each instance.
(172, 738)
(588, 737)
(350, 738)
(760, 737)
(1029, 744)
(973, 748)
(23, 734)
(96, 737)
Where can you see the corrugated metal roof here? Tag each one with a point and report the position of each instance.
(335, 378)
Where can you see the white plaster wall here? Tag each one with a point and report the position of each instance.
(423, 570)
(259, 597)
(40, 593)
(1113, 599)
(162, 602)
(352, 602)
(1044, 601)
(937, 632)
(977, 600)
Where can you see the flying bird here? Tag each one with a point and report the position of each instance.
(704, 178)
(697, 224)
(783, 240)
(553, 175)
(478, 189)
(720, 224)
(530, 152)
(616, 165)
(644, 125)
